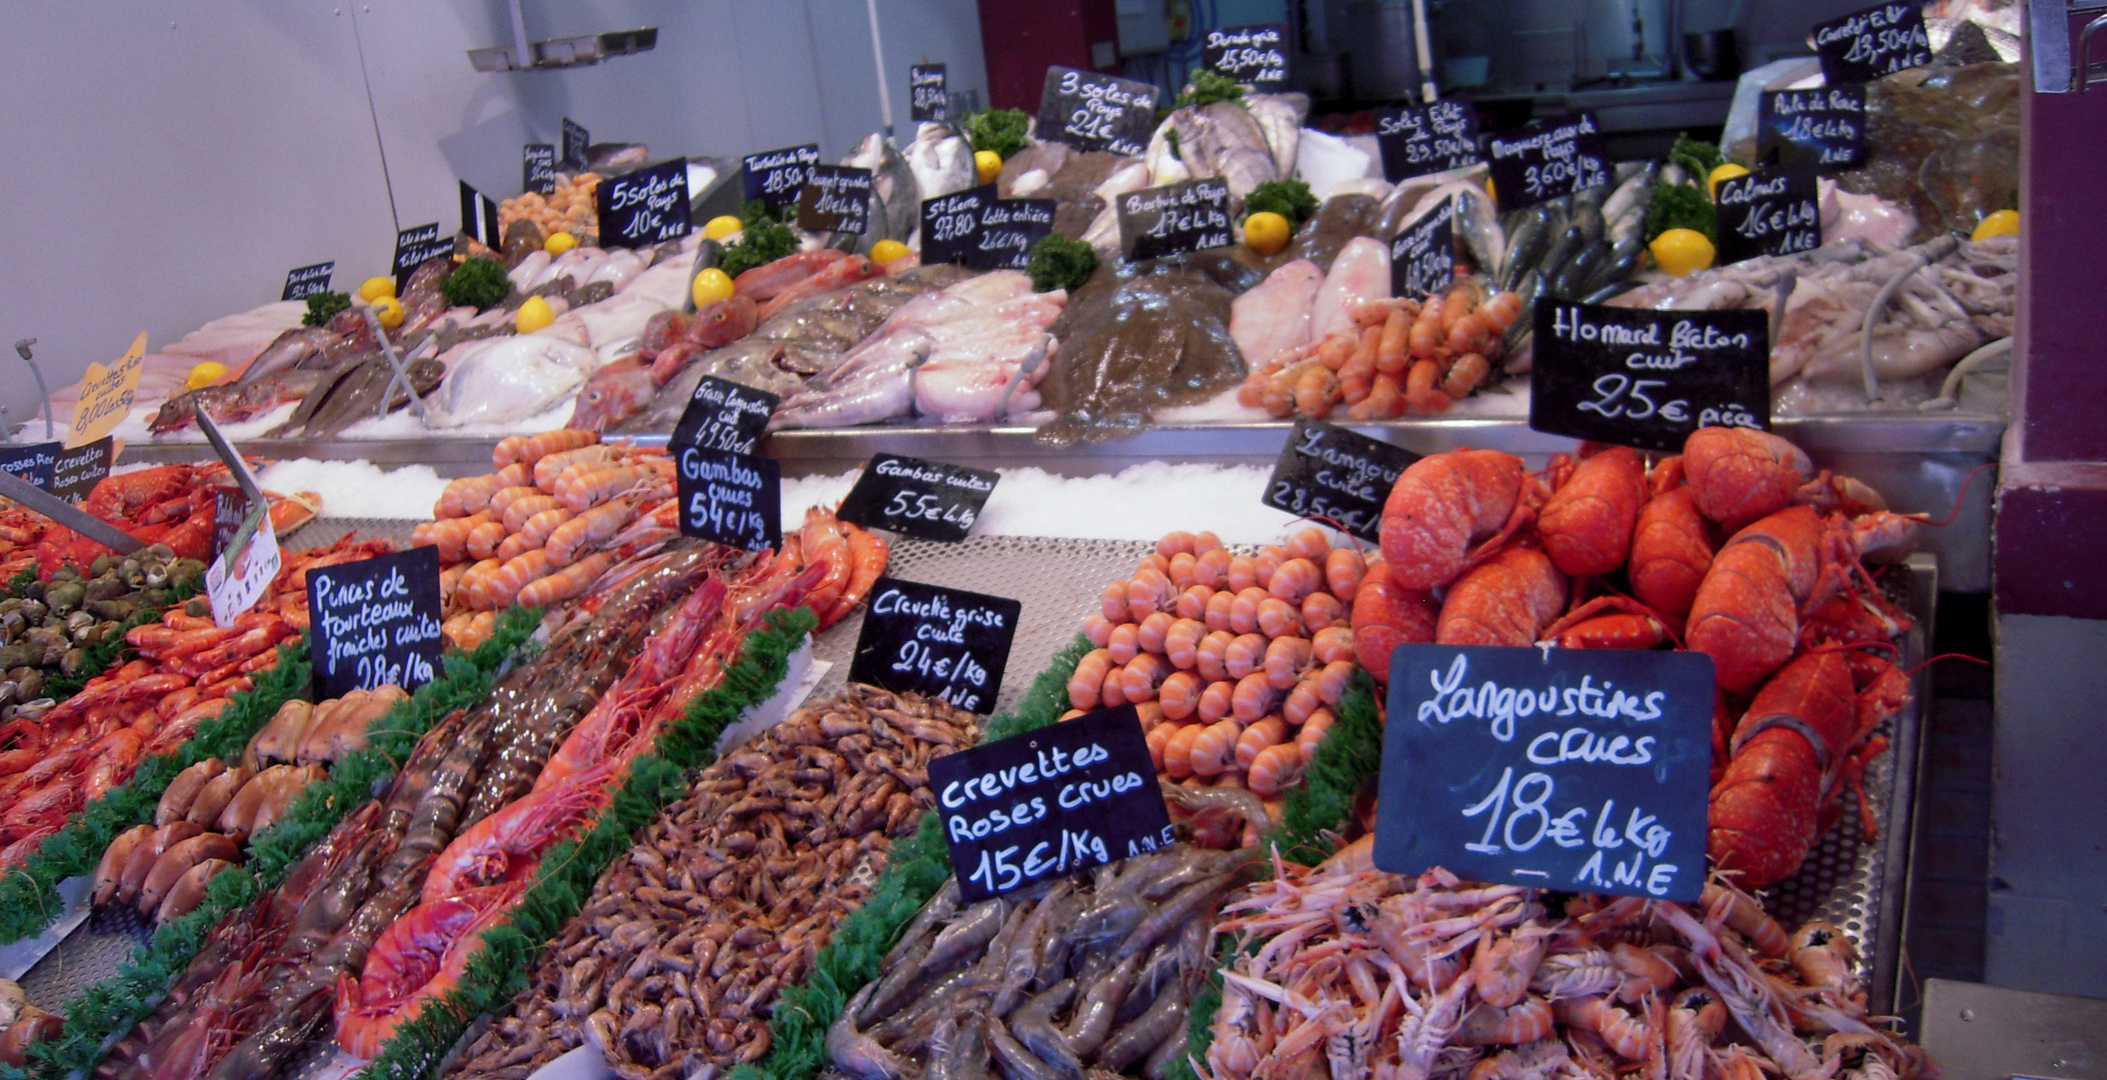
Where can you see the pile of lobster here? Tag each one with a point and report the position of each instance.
(166, 504)
(1737, 548)
(187, 669)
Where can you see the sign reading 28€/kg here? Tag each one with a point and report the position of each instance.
(928, 500)
(945, 643)
(1648, 378)
(730, 498)
(1067, 797)
(1326, 471)
(1574, 769)
(376, 621)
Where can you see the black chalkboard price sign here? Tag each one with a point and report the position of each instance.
(940, 642)
(1547, 160)
(376, 622)
(1419, 139)
(929, 100)
(577, 143)
(1097, 112)
(1423, 253)
(644, 206)
(730, 498)
(724, 415)
(1774, 211)
(1824, 126)
(1576, 769)
(1879, 40)
(479, 216)
(75, 472)
(928, 500)
(1648, 378)
(537, 168)
(414, 247)
(775, 176)
(1327, 471)
(951, 226)
(835, 198)
(33, 462)
(1256, 55)
(1067, 797)
(1191, 215)
(1009, 228)
(305, 281)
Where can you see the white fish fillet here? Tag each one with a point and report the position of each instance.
(1360, 273)
(236, 339)
(1275, 315)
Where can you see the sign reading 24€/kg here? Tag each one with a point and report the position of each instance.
(945, 643)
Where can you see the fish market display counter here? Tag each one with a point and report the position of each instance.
(1920, 463)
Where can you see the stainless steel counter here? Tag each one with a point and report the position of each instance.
(1920, 463)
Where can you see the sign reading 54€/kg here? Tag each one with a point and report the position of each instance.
(945, 643)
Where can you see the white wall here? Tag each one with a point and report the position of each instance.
(173, 159)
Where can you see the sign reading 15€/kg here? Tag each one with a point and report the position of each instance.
(1574, 769)
(1067, 797)
(730, 498)
(946, 643)
(376, 621)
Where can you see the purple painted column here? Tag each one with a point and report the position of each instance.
(2051, 534)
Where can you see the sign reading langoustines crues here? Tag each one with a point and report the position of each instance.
(1423, 253)
(1547, 160)
(1774, 211)
(1866, 44)
(1067, 797)
(1329, 472)
(644, 206)
(1824, 125)
(730, 498)
(1584, 770)
(1191, 215)
(928, 500)
(1097, 112)
(928, 94)
(1648, 378)
(724, 415)
(1256, 54)
(375, 622)
(835, 198)
(1419, 139)
(775, 176)
(938, 642)
(304, 281)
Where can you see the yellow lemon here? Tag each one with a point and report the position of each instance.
(533, 315)
(1266, 232)
(1727, 171)
(1681, 251)
(1492, 192)
(2001, 223)
(721, 226)
(711, 286)
(987, 164)
(205, 374)
(388, 310)
(559, 242)
(376, 287)
(886, 251)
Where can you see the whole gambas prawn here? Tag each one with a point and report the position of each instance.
(186, 671)
(1478, 551)
(1345, 971)
(331, 914)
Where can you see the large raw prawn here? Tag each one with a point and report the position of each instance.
(420, 956)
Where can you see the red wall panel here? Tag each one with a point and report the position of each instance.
(1022, 38)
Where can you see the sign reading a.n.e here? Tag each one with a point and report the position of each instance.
(1329, 473)
(943, 643)
(1256, 54)
(1191, 215)
(1547, 160)
(1774, 211)
(1097, 112)
(1879, 40)
(376, 622)
(1578, 769)
(1067, 797)
(644, 206)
